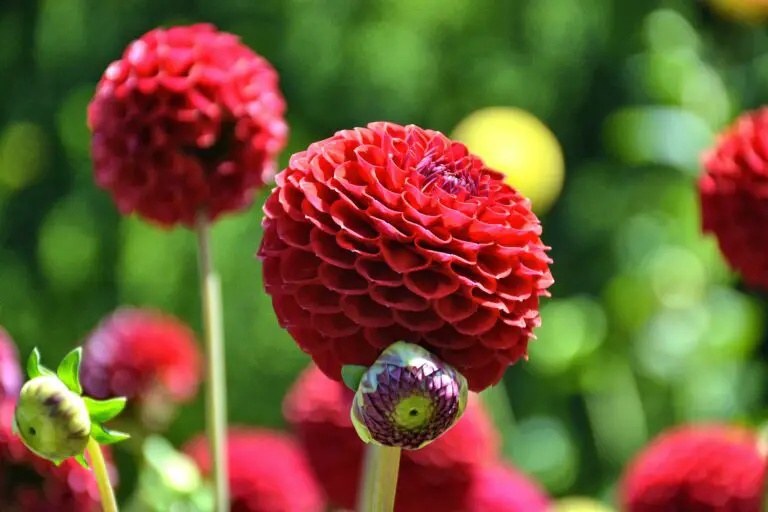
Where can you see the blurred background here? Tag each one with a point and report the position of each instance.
(646, 328)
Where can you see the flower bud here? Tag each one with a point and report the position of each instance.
(52, 421)
(408, 398)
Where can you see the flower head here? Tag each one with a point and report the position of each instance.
(188, 118)
(436, 477)
(392, 233)
(31, 484)
(10, 372)
(502, 488)
(267, 472)
(702, 468)
(139, 354)
(734, 196)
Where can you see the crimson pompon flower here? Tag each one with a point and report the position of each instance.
(436, 477)
(267, 471)
(188, 118)
(29, 483)
(10, 372)
(396, 233)
(502, 488)
(704, 468)
(149, 357)
(734, 196)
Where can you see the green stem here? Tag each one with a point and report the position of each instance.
(108, 501)
(379, 481)
(216, 393)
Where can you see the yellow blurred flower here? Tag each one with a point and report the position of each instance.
(750, 11)
(579, 504)
(519, 145)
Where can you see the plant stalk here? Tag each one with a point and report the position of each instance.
(108, 501)
(379, 481)
(216, 392)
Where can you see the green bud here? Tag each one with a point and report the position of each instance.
(52, 420)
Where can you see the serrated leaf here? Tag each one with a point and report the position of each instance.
(104, 410)
(103, 435)
(352, 374)
(34, 368)
(69, 370)
(81, 460)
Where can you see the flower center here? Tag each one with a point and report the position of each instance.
(413, 412)
(452, 177)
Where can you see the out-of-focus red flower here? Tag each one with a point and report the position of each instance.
(135, 353)
(704, 468)
(734, 196)
(10, 372)
(31, 484)
(436, 477)
(502, 488)
(392, 233)
(267, 472)
(188, 118)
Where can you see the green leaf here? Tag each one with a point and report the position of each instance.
(34, 368)
(352, 374)
(104, 410)
(81, 460)
(103, 435)
(69, 370)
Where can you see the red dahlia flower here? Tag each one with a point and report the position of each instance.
(436, 477)
(31, 484)
(10, 373)
(502, 488)
(267, 472)
(734, 196)
(189, 118)
(392, 233)
(697, 468)
(141, 353)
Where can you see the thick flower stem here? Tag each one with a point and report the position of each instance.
(379, 480)
(108, 501)
(216, 393)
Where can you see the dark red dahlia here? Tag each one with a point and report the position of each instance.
(392, 233)
(436, 477)
(502, 488)
(189, 118)
(142, 355)
(10, 372)
(734, 196)
(31, 484)
(702, 468)
(267, 472)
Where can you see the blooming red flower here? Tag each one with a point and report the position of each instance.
(10, 373)
(502, 488)
(31, 484)
(135, 353)
(697, 468)
(392, 233)
(436, 477)
(267, 472)
(188, 118)
(734, 196)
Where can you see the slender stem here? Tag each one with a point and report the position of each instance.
(379, 481)
(216, 392)
(108, 501)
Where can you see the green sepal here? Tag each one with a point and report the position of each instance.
(352, 374)
(34, 368)
(81, 460)
(103, 435)
(57, 462)
(69, 370)
(14, 427)
(104, 410)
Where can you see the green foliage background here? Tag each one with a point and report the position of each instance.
(647, 327)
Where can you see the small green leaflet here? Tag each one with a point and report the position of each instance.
(352, 374)
(81, 460)
(69, 370)
(103, 435)
(34, 368)
(104, 410)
